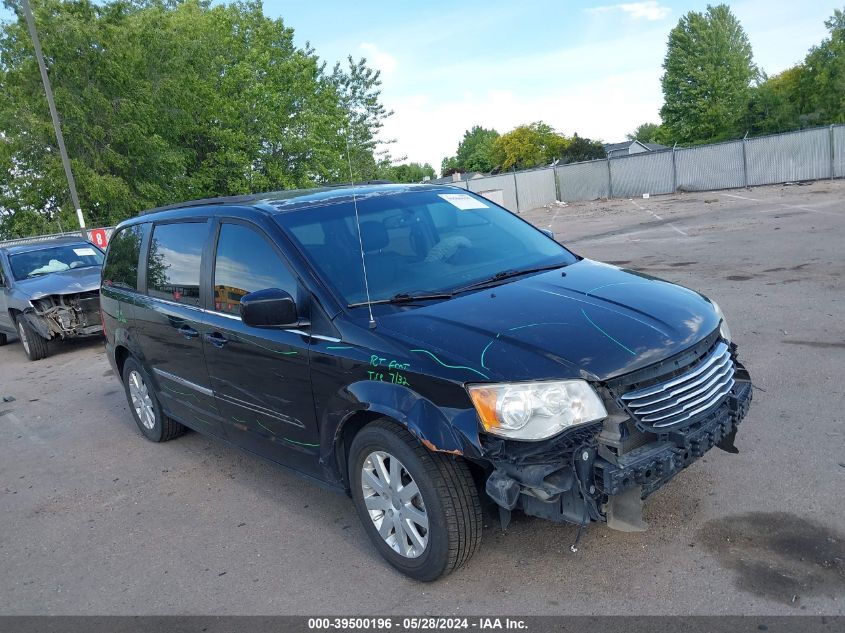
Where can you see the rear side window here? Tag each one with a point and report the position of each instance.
(245, 263)
(173, 265)
(121, 267)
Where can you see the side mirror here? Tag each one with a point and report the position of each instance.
(269, 308)
(547, 233)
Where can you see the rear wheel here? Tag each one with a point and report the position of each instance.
(34, 345)
(420, 508)
(145, 407)
(3, 339)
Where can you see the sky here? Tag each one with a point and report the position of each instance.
(587, 67)
(591, 67)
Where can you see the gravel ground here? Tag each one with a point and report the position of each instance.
(96, 520)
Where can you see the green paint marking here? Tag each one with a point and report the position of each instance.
(274, 434)
(484, 351)
(475, 371)
(518, 327)
(630, 351)
(618, 283)
(181, 393)
(340, 347)
(196, 417)
(269, 349)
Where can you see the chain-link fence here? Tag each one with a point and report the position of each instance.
(812, 154)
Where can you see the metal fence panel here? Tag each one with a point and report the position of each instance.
(803, 155)
(535, 188)
(839, 151)
(634, 175)
(717, 166)
(583, 181)
(504, 182)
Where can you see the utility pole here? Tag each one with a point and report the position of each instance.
(71, 183)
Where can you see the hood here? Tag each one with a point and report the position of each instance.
(589, 320)
(66, 282)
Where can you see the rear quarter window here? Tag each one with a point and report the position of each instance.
(121, 267)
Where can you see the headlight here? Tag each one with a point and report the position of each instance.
(724, 330)
(535, 410)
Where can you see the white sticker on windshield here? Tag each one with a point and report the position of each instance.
(85, 252)
(463, 201)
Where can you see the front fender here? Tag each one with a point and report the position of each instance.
(36, 323)
(446, 430)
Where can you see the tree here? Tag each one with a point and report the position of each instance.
(168, 100)
(810, 93)
(527, 146)
(646, 133)
(449, 166)
(476, 149)
(578, 148)
(823, 79)
(708, 76)
(412, 172)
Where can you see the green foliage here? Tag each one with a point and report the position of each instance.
(811, 93)
(708, 76)
(449, 166)
(527, 146)
(476, 149)
(647, 133)
(168, 100)
(412, 172)
(578, 148)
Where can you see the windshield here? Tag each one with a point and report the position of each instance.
(44, 261)
(418, 242)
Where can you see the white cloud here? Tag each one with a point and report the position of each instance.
(649, 10)
(428, 128)
(385, 62)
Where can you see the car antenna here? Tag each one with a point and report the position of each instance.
(360, 239)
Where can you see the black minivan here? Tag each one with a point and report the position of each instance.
(420, 348)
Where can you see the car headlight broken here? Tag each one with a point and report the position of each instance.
(535, 410)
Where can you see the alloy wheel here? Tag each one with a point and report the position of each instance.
(394, 503)
(141, 401)
(24, 337)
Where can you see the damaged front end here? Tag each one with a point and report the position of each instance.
(660, 420)
(65, 316)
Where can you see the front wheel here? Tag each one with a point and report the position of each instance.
(420, 509)
(34, 345)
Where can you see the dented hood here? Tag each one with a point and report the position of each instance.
(66, 282)
(588, 320)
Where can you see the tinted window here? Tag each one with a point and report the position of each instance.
(173, 268)
(121, 268)
(55, 259)
(421, 241)
(246, 263)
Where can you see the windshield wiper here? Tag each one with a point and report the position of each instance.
(403, 297)
(506, 274)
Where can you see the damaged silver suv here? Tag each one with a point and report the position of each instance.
(49, 288)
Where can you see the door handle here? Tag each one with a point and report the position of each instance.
(188, 332)
(216, 339)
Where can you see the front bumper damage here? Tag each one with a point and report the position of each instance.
(65, 316)
(603, 471)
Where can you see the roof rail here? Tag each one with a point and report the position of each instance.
(204, 201)
(21, 241)
(252, 197)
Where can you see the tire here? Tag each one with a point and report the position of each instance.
(144, 405)
(34, 345)
(3, 339)
(447, 499)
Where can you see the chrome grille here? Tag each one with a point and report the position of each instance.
(685, 396)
